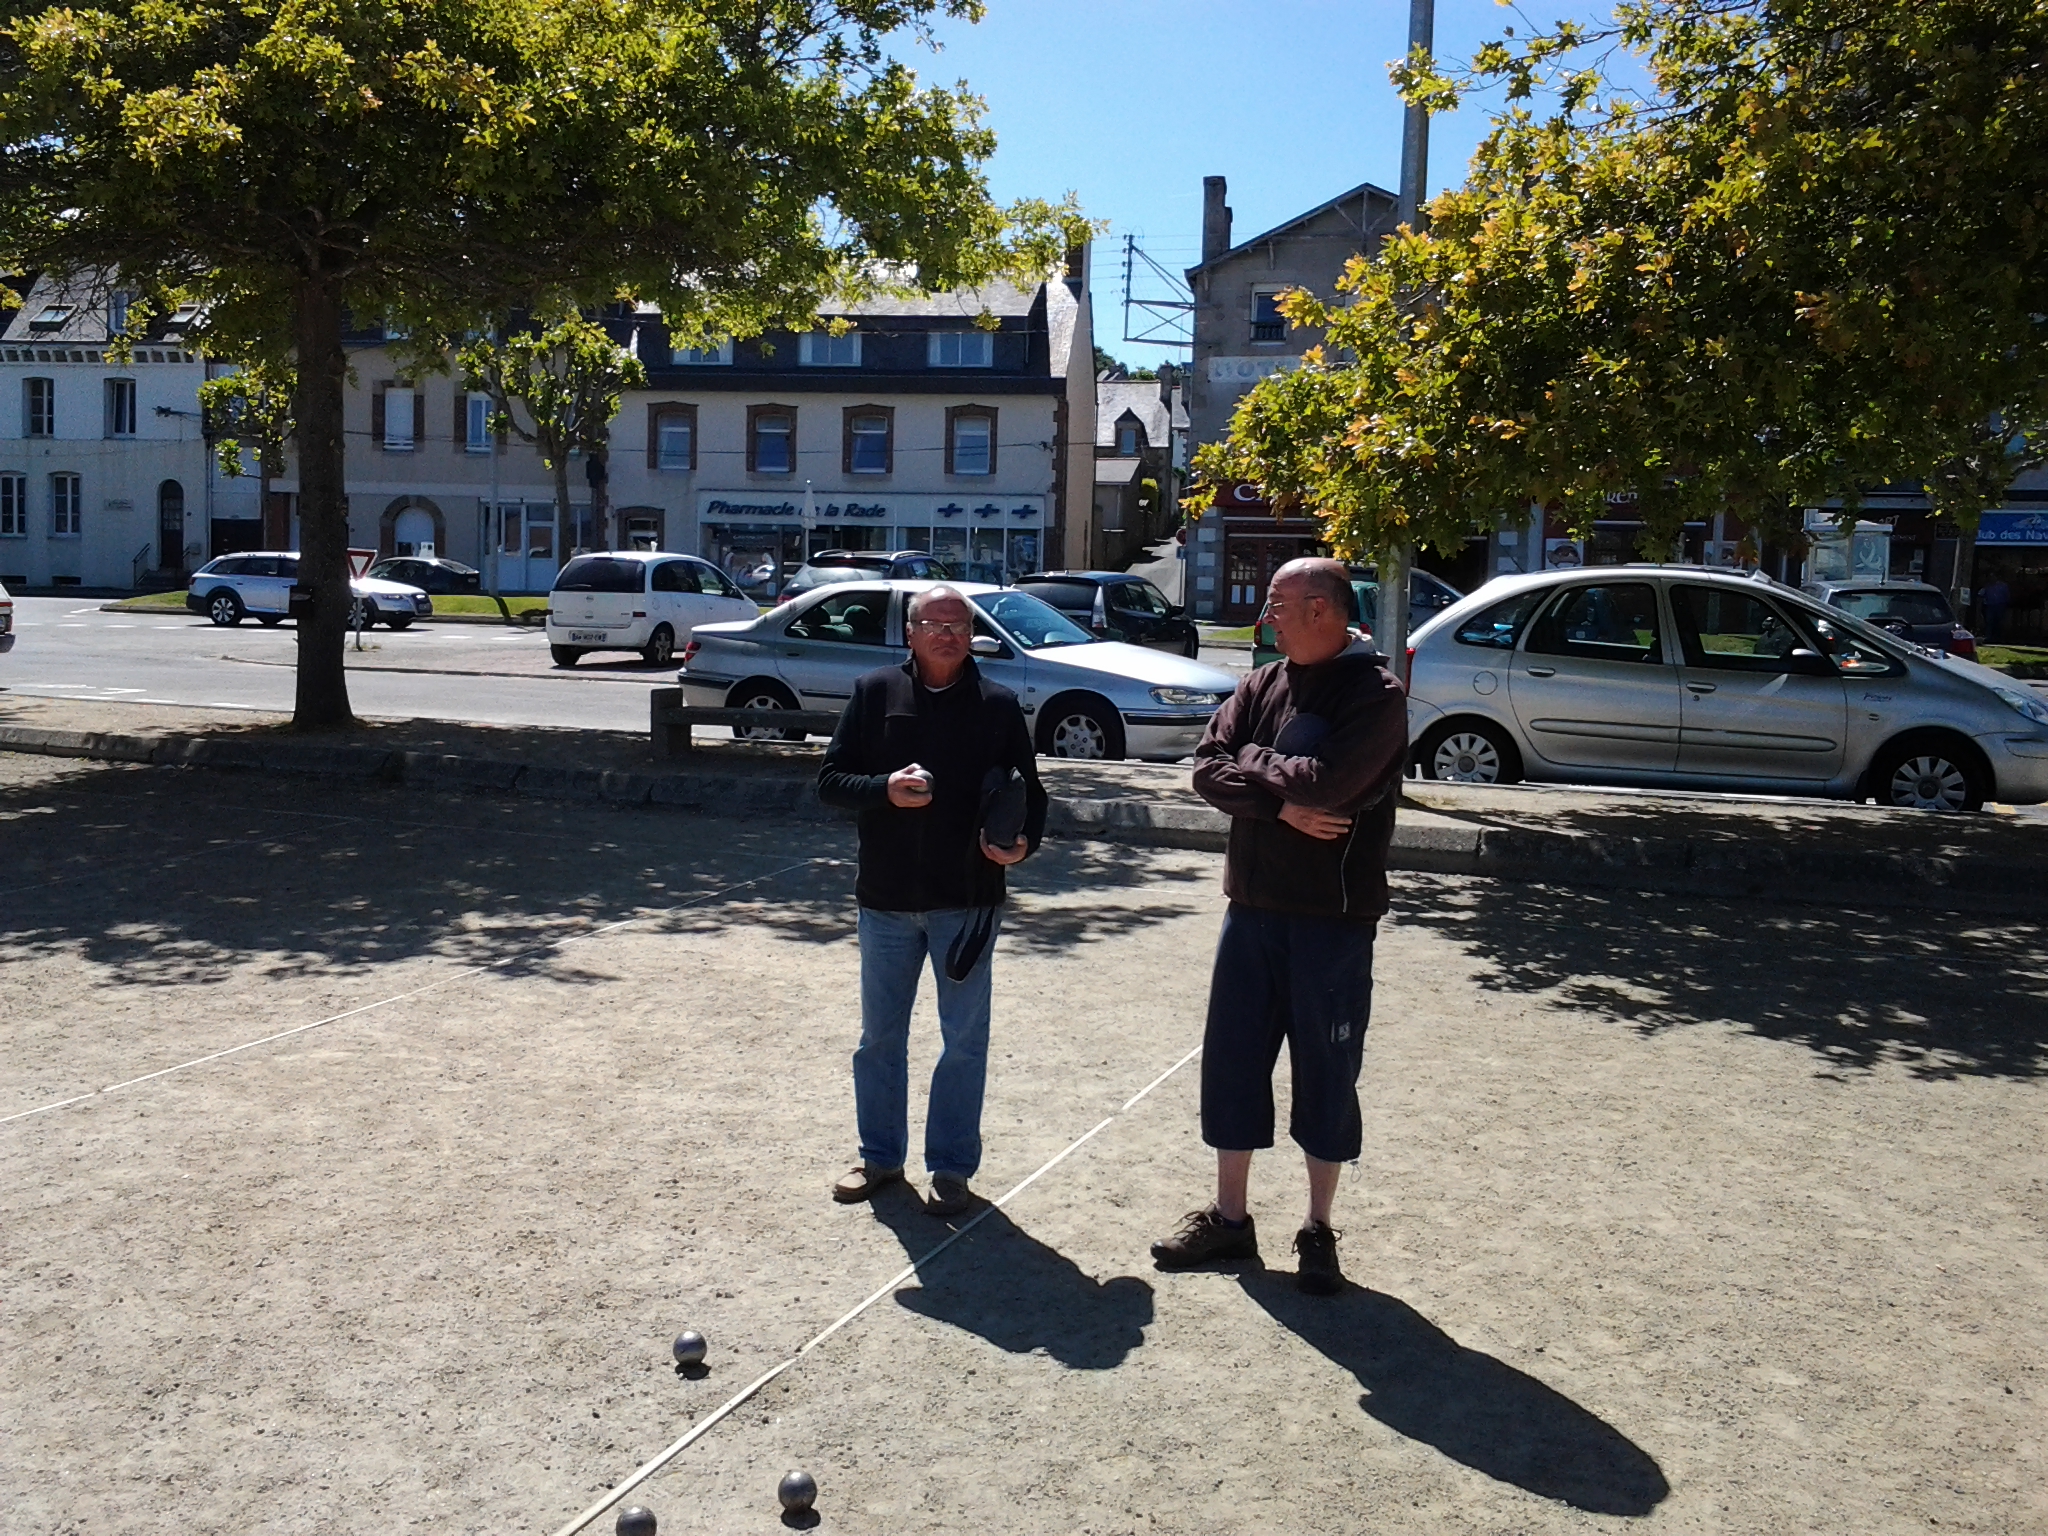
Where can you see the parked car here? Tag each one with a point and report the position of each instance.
(437, 578)
(259, 585)
(1912, 610)
(1428, 596)
(1663, 675)
(1114, 605)
(6, 622)
(636, 601)
(1084, 697)
(830, 565)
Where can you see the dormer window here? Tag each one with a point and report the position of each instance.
(821, 349)
(55, 315)
(960, 349)
(117, 312)
(1127, 440)
(185, 314)
(719, 356)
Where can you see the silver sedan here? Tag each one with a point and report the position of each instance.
(1676, 676)
(1084, 697)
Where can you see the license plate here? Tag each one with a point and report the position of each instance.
(586, 637)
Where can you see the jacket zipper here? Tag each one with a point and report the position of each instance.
(1344, 866)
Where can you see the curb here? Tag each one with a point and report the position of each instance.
(1747, 867)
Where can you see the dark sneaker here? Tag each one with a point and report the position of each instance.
(1205, 1238)
(863, 1183)
(950, 1195)
(1317, 1273)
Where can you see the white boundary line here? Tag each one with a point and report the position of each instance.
(464, 973)
(697, 1431)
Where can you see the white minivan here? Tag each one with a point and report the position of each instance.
(633, 601)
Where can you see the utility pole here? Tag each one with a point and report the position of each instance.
(1396, 562)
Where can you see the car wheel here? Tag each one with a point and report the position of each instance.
(661, 646)
(1469, 752)
(399, 621)
(1079, 726)
(1929, 774)
(361, 614)
(225, 609)
(269, 620)
(762, 694)
(1193, 649)
(564, 655)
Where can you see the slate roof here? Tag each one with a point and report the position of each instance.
(1140, 397)
(1117, 471)
(82, 301)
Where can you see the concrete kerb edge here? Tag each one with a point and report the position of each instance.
(1680, 866)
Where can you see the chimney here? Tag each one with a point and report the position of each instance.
(1166, 377)
(1215, 218)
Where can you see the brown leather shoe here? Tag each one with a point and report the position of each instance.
(863, 1182)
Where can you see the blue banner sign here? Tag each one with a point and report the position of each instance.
(2013, 528)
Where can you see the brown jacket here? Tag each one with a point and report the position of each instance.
(1333, 736)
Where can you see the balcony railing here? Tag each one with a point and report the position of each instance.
(1269, 330)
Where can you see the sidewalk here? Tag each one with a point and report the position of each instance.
(1772, 849)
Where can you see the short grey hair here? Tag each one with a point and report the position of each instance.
(919, 599)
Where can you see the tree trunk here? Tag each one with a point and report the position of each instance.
(565, 521)
(322, 698)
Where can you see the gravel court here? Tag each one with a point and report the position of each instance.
(1656, 1234)
(162, 893)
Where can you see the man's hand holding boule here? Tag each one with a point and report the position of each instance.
(910, 788)
(1009, 855)
(1325, 826)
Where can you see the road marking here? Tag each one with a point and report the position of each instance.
(704, 1425)
(433, 986)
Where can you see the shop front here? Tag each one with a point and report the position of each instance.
(760, 542)
(2009, 571)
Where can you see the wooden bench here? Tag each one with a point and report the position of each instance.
(670, 721)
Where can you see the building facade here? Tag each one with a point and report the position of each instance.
(961, 423)
(1240, 338)
(1141, 432)
(106, 478)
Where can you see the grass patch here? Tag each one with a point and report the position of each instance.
(1244, 634)
(496, 607)
(154, 602)
(2011, 655)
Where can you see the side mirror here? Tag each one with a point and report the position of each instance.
(985, 645)
(1810, 663)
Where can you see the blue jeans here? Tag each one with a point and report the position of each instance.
(893, 946)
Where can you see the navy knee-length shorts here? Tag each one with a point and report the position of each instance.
(1281, 976)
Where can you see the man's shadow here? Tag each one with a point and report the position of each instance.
(1422, 1383)
(1005, 1285)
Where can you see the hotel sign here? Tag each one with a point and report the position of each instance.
(982, 509)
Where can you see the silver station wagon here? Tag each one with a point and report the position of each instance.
(1083, 697)
(1675, 676)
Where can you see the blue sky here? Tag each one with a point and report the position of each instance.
(1130, 103)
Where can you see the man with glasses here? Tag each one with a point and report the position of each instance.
(912, 753)
(1305, 757)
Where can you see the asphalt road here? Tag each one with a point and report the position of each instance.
(69, 648)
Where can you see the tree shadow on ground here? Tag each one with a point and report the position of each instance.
(1422, 1383)
(1943, 995)
(1049, 910)
(1006, 1286)
(175, 878)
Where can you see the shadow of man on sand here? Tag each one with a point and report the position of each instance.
(1003, 1284)
(1422, 1383)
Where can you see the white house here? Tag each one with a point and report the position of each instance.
(105, 476)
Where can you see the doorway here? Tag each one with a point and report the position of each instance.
(523, 547)
(170, 526)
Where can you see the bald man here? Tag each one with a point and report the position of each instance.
(1306, 758)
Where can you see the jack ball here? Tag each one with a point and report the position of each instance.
(689, 1349)
(637, 1521)
(799, 1491)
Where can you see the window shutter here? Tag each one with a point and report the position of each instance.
(419, 417)
(653, 437)
(377, 412)
(461, 438)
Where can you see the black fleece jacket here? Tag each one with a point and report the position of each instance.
(1333, 736)
(928, 859)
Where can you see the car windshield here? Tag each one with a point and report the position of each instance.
(821, 575)
(600, 573)
(1901, 607)
(1032, 624)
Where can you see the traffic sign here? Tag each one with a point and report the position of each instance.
(359, 563)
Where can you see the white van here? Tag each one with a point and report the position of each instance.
(6, 621)
(630, 601)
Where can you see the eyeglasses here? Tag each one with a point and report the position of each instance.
(934, 627)
(1276, 609)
